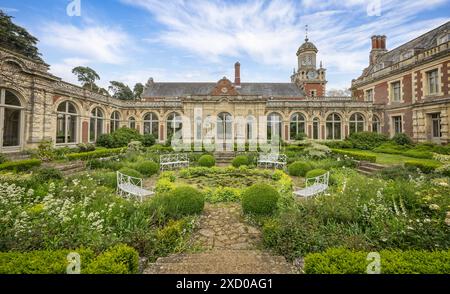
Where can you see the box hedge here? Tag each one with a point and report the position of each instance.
(207, 161)
(344, 261)
(425, 167)
(179, 202)
(240, 160)
(260, 199)
(299, 168)
(20, 165)
(101, 153)
(357, 155)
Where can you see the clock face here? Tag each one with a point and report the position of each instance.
(224, 90)
(312, 74)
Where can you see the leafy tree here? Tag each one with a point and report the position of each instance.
(138, 90)
(87, 76)
(17, 39)
(121, 91)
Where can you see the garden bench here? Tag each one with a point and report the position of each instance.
(173, 161)
(318, 185)
(272, 160)
(128, 186)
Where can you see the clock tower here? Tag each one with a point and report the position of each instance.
(308, 77)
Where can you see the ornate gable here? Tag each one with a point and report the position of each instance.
(224, 87)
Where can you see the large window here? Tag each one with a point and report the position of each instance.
(115, 122)
(96, 124)
(316, 128)
(10, 119)
(436, 125)
(369, 95)
(174, 124)
(334, 127)
(297, 126)
(274, 121)
(151, 124)
(132, 123)
(224, 128)
(356, 123)
(66, 123)
(395, 92)
(376, 124)
(433, 82)
(397, 124)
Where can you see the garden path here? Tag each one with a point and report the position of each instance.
(230, 244)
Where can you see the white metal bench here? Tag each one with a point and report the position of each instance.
(272, 160)
(314, 186)
(131, 187)
(173, 161)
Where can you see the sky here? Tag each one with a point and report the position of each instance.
(200, 40)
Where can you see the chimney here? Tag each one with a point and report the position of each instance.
(374, 42)
(378, 48)
(237, 75)
(382, 42)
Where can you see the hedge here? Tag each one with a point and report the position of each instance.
(426, 167)
(119, 259)
(356, 155)
(260, 199)
(21, 165)
(94, 154)
(344, 261)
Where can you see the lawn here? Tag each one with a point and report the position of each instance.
(392, 159)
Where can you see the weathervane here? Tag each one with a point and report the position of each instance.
(306, 29)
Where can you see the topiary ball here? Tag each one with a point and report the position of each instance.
(207, 161)
(181, 201)
(147, 168)
(260, 199)
(240, 160)
(130, 172)
(315, 173)
(299, 168)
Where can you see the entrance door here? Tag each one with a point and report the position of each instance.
(10, 121)
(224, 132)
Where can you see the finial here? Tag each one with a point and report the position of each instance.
(321, 64)
(294, 70)
(306, 30)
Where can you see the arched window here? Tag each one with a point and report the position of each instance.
(96, 124)
(334, 127)
(274, 121)
(132, 123)
(115, 122)
(66, 123)
(151, 124)
(316, 128)
(174, 124)
(10, 119)
(376, 124)
(297, 126)
(356, 123)
(224, 127)
(251, 128)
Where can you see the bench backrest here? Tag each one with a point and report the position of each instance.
(165, 158)
(125, 179)
(273, 157)
(320, 180)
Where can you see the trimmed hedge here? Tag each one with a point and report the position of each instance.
(179, 202)
(418, 154)
(344, 261)
(299, 168)
(260, 199)
(119, 259)
(20, 165)
(207, 161)
(425, 167)
(130, 172)
(356, 155)
(147, 168)
(94, 154)
(240, 160)
(315, 173)
(367, 140)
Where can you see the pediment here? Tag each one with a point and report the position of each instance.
(224, 87)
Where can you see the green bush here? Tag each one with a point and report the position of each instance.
(120, 138)
(357, 155)
(391, 148)
(260, 199)
(207, 161)
(120, 259)
(425, 167)
(105, 164)
(395, 172)
(418, 154)
(343, 261)
(240, 160)
(46, 174)
(367, 140)
(3, 158)
(148, 140)
(147, 168)
(101, 153)
(339, 144)
(86, 147)
(299, 168)
(179, 202)
(300, 136)
(130, 172)
(21, 165)
(402, 139)
(315, 173)
(105, 178)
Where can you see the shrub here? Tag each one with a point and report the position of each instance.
(119, 138)
(45, 151)
(418, 154)
(21, 165)
(135, 146)
(86, 147)
(148, 140)
(240, 160)
(395, 172)
(260, 199)
(45, 174)
(171, 236)
(367, 140)
(105, 178)
(426, 167)
(300, 136)
(343, 261)
(120, 259)
(105, 164)
(147, 168)
(101, 153)
(316, 150)
(390, 148)
(299, 168)
(339, 144)
(357, 155)
(180, 201)
(315, 173)
(207, 161)
(223, 194)
(3, 158)
(402, 139)
(130, 172)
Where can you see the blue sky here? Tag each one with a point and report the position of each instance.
(195, 40)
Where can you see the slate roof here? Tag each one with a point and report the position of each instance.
(198, 89)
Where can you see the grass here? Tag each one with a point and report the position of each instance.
(393, 159)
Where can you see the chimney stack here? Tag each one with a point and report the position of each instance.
(378, 47)
(237, 74)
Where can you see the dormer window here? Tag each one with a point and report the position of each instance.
(443, 39)
(408, 54)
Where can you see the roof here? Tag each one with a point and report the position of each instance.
(307, 46)
(198, 89)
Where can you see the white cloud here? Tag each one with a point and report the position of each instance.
(64, 69)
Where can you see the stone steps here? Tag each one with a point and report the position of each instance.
(68, 168)
(224, 157)
(369, 168)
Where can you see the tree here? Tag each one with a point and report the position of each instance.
(17, 39)
(87, 76)
(339, 93)
(121, 91)
(138, 90)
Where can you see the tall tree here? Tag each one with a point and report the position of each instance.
(138, 90)
(17, 39)
(87, 76)
(121, 91)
